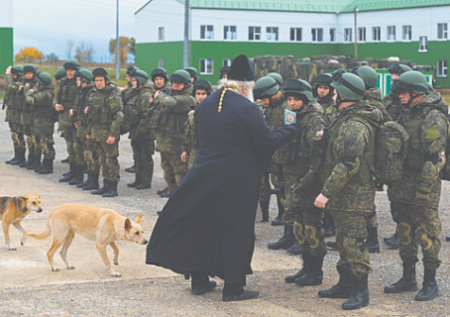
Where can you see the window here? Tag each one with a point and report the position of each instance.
(229, 32)
(423, 44)
(347, 35)
(332, 35)
(296, 34)
(442, 31)
(227, 62)
(254, 33)
(206, 32)
(362, 34)
(441, 70)
(206, 66)
(161, 33)
(317, 35)
(407, 32)
(376, 34)
(271, 33)
(161, 63)
(391, 33)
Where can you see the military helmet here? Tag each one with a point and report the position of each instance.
(368, 74)
(203, 84)
(29, 68)
(131, 69)
(224, 70)
(348, 86)
(323, 79)
(44, 78)
(398, 69)
(85, 74)
(71, 64)
(60, 73)
(17, 70)
(159, 72)
(100, 71)
(265, 87)
(140, 75)
(412, 81)
(181, 76)
(277, 78)
(192, 72)
(294, 86)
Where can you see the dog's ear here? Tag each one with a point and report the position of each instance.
(127, 224)
(21, 203)
(138, 219)
(39, 196)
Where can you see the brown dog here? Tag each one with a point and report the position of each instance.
(13, 210)
(104, 226)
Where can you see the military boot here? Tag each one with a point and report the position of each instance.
(87, 181)
(71, 174)
(20, 157)
(131, 169)
(343, 287)
(285, 241)
(264, 210)
(93, 184)
(372, 240)
(29, 161)
(314, 274)
(429, 288)
(278, 221)
(47, 167)
(306, 263)
(112, 190)
(408, 281)
(78, 175)
(162, 191)
(295, 248)
(359, 296)
(102, 190)
(16, 155)
(137, 180)
(36, 163)
(393, 241)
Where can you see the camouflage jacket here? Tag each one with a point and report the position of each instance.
(27, 109)
(190, 139)
(67, 97)
(128, 94)
(105, 113)
(325, 102)
(275, 118)
(42, 101)
(82, 102)
(350, 156)
(138, 107)
(373, 97)
(393, 105)
(12, 100)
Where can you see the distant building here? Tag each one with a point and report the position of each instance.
(220, 30)
(6, 35)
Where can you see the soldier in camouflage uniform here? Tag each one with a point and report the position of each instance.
(349, 187)
(127, 94)
(201, 90)
(417, 193)
(12, 102)
(41, 98)
(104, 119)
(65, 99)
(141, 141)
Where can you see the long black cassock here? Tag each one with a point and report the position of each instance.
(208, 223)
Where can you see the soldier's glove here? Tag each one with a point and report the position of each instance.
(421, 199)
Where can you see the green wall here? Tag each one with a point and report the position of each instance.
(6, 48)
(148, 55)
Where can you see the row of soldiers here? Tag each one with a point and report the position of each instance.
(328, 169)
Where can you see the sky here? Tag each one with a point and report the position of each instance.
(49, 24)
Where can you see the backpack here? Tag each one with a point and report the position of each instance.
(445, 172)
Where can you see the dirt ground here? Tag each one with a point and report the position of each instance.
(30, 288)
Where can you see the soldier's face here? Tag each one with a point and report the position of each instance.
(100, 82)
(78, 81)
(70, 73)
(14, 76)
(29, 75)
(159, 82)
(394, 77)
(200, 94)
(177, 86)
(323, 90)
(294, 103)
(404, 97)
(265, 101)
(128, 78)
(134, 83)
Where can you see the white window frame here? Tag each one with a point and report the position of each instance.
(407, 32)
(332, 35)
(348, 35)
(423, 44)
(256, 33)
(296, 34)
(227, 62)
(442, 31)
(362, 34)
(161, 63)
(376, 34)
(317, 35)
(207, 32)
(206, 66)
(391, 35)
(441, 69)
(230, 32)
(272, 34)
(161, 33)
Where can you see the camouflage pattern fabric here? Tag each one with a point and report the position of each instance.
(393, 105)
(308, 230)
(190, 144)
(13, 108)
(107, 155)
(174, 169)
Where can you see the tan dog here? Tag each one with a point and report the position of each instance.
(13, 210)
(104, 226)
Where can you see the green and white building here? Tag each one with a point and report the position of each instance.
(6, 34)
(416, 30)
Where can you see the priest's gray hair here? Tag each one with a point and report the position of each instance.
(244, 88)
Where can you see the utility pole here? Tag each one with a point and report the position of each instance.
(355, 11)
(186, 35)
(117, 42)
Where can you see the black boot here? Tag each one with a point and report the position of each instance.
(408, 281)
(306, 266)
(162, 191)
(429, 288)
(392, 242)
(16, 155)
(102, 190)
(332, 245)
(359, 296)
(29, 161)
(286, 240)
(372, 240)
(78, 175)
(36, 165)
(66, 160)
(137, 181)
(235, 292)
(131, 169)
(112, 190)
(69, 176)
(200, 283)
(20, 157)
(47, 167)
(343, 287)
(314, 275)
(264, 210)
(329, 229)
(87, 181)
(295, 248)
(278, 221)
(93, 184)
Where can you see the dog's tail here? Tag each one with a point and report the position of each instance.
(44, 234)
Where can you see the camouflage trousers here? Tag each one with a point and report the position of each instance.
(91, 156)
(27, 130)
(290, 200)
(308, 223)
(43, 136)
(143, 150)
(351, 232)
(174, 169)
(79, 147)
(107, 154)
(69, 133)
(372, 220)
(17, 136)
(419, 225)
(271, 173)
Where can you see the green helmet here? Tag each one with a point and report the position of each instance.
(368, 74)
(44, 78)
(203, 84)
(29, 68)
(181, 76)
(72, 64)
(296, 87)
(17, 70)
(348, 86)
(159, 72)
(412, 81)
(100, 71)
(140, 76)
(60, 73)
(277, 78)
(131, 69)
(398, 69)
(265, 87)
(192, 72)
(85, 74)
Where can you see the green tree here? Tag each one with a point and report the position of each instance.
(127, 46)
(52, 58)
